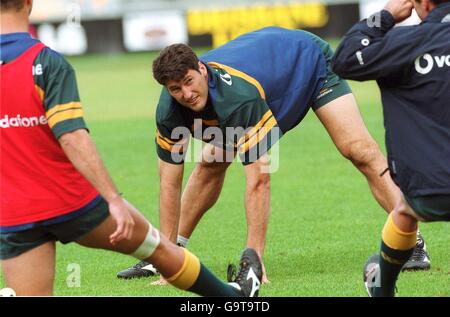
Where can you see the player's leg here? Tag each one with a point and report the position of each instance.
(398, 242)
(32, 272)
(180, 267)
(188, 273)
(399, 239)
(346, 128)
(202, 189)
(338, 111)
(397, 245)
(257, 205)
(201, 193)
(344, 124)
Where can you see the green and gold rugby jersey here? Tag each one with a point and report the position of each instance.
(55, 82)
(264, 82)
(57, 86)
(236, 118)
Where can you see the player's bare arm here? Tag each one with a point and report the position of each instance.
(171, 179)
(81, 151)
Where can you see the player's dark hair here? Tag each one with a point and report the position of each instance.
(174, 62)
(12, 4)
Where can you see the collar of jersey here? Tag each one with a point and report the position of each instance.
(11, 37)
(211, 76)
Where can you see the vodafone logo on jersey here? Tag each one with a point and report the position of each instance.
(21, 122)
(425, 64)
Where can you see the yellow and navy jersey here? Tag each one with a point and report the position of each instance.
(262, 82)
(55, 82)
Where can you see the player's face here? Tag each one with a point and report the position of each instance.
(192, 90)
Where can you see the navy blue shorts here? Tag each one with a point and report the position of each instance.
(15, 243)
(431, 208)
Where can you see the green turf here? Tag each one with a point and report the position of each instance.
(324, 222)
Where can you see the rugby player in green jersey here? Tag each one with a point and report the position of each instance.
(241, 98)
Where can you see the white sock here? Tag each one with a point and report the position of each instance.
(182, 241)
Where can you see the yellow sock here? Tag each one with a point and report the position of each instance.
(188, 273)
(396, 239)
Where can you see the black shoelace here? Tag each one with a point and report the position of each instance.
(418, 255)
(243, 271)
(141, 264)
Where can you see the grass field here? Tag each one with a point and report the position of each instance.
(324, 222)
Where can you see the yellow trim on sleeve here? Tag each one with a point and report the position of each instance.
(63, 107)
(163, 144)
(238, 73)
(189, 272)
(255, 129)
(257, 137)
(169, 141)
(169, 145)
(64, 115)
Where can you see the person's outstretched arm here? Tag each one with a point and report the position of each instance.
(81, 151)
(171, 179)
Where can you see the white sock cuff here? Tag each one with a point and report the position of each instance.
(182, 241)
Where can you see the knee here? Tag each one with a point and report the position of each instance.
(205, 165)
(261, 182)
(212, 168)
(404, 220)
(404, 211)
(362, 153)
